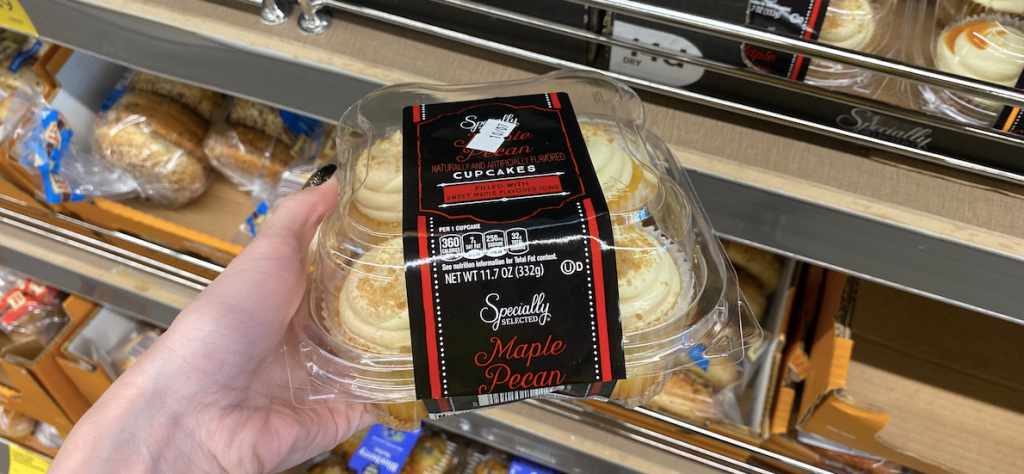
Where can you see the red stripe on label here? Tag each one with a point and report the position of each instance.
(594, 389)
(443, 404)
(428, 309)
(554, 101)
(809, 29)
(796, 68)
(502, 189)
(602, 316)
(415, 113)
(808, 32)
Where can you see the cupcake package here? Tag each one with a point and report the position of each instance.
(858, 25)
(498, 242)
(983, 41)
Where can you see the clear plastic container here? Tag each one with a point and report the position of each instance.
(859, 25)
(676, 287)
(988, 47)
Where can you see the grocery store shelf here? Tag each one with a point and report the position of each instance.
(95, 269)
(845, 219)
(570, 445)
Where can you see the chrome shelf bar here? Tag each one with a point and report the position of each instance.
(1001, 94)
(583, 414)
(680, 93)
(735, 71)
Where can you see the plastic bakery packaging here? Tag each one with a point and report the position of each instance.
(153, 129)
(858, 25)
(38, 138)
(505, 241)
(30, 311)
(256, 142)
(987, 47)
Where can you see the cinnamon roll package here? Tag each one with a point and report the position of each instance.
(498, 242)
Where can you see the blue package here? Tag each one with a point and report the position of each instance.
(301, 125)
(23, 56)
(383, 450)
(522, 466)
(116, 93)
(250, 222)
(44, 147)
(696, 354)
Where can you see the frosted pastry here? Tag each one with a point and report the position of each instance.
(1005, 6)
(848, 24)
(378, 194)
(984, 50)
(374, 313)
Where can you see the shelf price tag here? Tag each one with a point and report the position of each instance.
(25, 462)
(13, 17)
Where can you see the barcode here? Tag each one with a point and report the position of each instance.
(494, 398)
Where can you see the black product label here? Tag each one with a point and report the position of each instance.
(510, 271)
(800, 18)
(1009, 119)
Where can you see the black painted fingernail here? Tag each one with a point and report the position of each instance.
(321, 176)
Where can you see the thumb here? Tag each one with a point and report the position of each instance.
(262, 288)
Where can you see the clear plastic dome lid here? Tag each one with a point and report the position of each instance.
(668, 286)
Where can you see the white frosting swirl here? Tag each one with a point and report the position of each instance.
(379, 180)
(649, 281)
(983, 50)
(373, 304)
(848, 24)
(1005, 6)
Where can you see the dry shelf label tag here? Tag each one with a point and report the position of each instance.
(491, 135)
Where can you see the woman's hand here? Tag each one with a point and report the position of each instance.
(212, 394)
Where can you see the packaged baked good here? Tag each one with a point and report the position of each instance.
(434, 453)
(158, 142)
(268, 195)
(858, 25)
(202, 101)
(47, 435)
(256, 142)
(987, 47)
(758, 272)
(565, 224)
(30, 311)
(14, 425)
(18, 54)
(38, 138)
(686, 397)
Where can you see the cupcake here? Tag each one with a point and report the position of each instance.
(948, 11)
(988, 48)
(858, 25)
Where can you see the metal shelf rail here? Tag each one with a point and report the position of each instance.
(993, 143)
(930, 264)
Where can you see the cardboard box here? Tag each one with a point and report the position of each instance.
(85, 356)
(33, 382)
(930, 386)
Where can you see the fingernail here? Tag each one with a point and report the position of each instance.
(321, 176)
